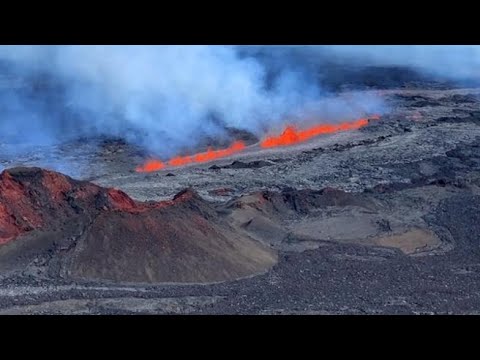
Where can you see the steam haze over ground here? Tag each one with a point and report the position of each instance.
(169, 98)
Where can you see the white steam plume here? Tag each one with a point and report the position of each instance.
(167, 98)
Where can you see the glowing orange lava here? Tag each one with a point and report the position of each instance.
(151, 165)
(289, 136)
(292, 136)
(155, 165)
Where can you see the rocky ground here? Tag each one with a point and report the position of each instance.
(388, 221)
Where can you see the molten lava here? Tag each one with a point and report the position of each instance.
(154, 165)
(292, 136)
(151, 165)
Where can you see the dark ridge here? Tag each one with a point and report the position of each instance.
(299, 201)
(472, 117)
(250, 165)
(461, 99)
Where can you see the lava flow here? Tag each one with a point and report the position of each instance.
(155, 165)
(151, 165)
(292, 136)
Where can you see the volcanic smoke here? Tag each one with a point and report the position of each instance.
(167, 98)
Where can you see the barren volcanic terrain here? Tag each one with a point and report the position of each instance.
(384, 219)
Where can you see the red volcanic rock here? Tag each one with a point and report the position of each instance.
(94, 233)
(119, 200)
(33, 198)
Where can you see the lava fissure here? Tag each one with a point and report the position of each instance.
(209, 155)
(290, 136)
